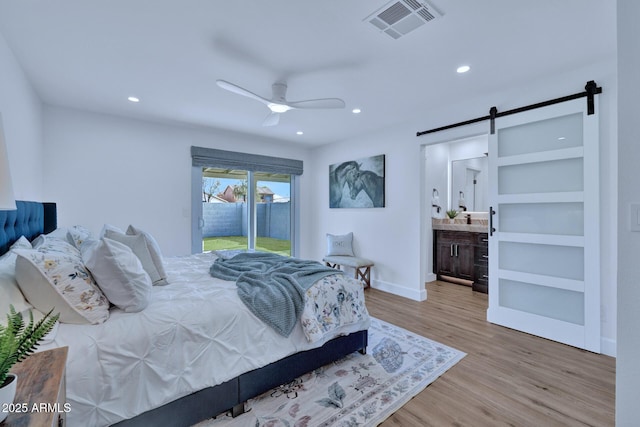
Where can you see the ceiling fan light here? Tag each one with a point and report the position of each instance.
(278, 108)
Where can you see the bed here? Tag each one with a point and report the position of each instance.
(192, 353)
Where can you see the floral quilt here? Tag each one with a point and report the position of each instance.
(332, 302)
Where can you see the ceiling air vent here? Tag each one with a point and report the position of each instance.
(400, 17)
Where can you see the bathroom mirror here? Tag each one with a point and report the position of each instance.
(469, 184)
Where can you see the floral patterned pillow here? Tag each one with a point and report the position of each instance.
(53, 276)
(79, 234)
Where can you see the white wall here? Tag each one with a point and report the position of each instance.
(628, 361)
(21, 113)
(386, 235)
(391, 236)
(437, 175)
(106, 169)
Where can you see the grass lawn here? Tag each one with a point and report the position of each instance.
(266, 244)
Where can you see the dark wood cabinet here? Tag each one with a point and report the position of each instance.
(455, 254)
(462, 257)
(481, 263)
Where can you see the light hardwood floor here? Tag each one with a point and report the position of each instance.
(508, 378)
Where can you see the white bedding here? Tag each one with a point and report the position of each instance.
(195, 333)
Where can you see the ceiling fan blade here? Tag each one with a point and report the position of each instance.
(271, 120)
(318, 103)
(241, 91)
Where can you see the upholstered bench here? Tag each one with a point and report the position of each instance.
(362, 266)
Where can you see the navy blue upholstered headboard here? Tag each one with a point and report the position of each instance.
(30, 220)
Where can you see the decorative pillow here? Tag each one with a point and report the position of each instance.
(109, 227)
(48, 239)
(38, 241)
(118, 272)
(59, 233)
(53, 276)
(340, 244)
(79, 234)
(138, 244)
(10, 293)
(154, 250)
(21, 243)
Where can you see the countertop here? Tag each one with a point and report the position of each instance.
(476, 226)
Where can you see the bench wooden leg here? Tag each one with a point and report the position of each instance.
(336, 266)
(364, 273)
(361, 273)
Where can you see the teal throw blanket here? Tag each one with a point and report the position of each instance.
(272, 286)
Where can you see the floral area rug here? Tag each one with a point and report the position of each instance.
(359, 390)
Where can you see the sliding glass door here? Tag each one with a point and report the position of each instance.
(246, 210)
(244, 201)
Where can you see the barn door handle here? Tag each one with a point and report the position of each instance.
(491, 214)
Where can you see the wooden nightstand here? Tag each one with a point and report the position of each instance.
(40, 396)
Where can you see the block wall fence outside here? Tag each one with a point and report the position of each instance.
(228, 219)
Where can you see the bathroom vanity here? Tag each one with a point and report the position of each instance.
(461, 253)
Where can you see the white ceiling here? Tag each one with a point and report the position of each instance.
(92, 55)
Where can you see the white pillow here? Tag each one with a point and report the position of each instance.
(59, 233)
(21, 243)
(50, 239)
(138, 244)
(38, 241)
(10, 293)
(118, 272)
(109, 227)
(154, 250)
(53, 276)
(340, 245)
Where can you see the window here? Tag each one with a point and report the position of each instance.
(237, 205)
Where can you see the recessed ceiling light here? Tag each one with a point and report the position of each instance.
(299, 133)
(356, 111)
(133, 99)
(463, 69)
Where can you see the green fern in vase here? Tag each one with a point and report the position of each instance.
(18, 341)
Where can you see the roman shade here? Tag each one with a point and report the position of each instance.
(211, 157)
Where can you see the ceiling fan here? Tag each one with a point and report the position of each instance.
(278, 103)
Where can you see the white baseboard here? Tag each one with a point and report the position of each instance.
(608, 347)
(392, 288)
(431, 277)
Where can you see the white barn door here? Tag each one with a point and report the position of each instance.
(544, 255)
